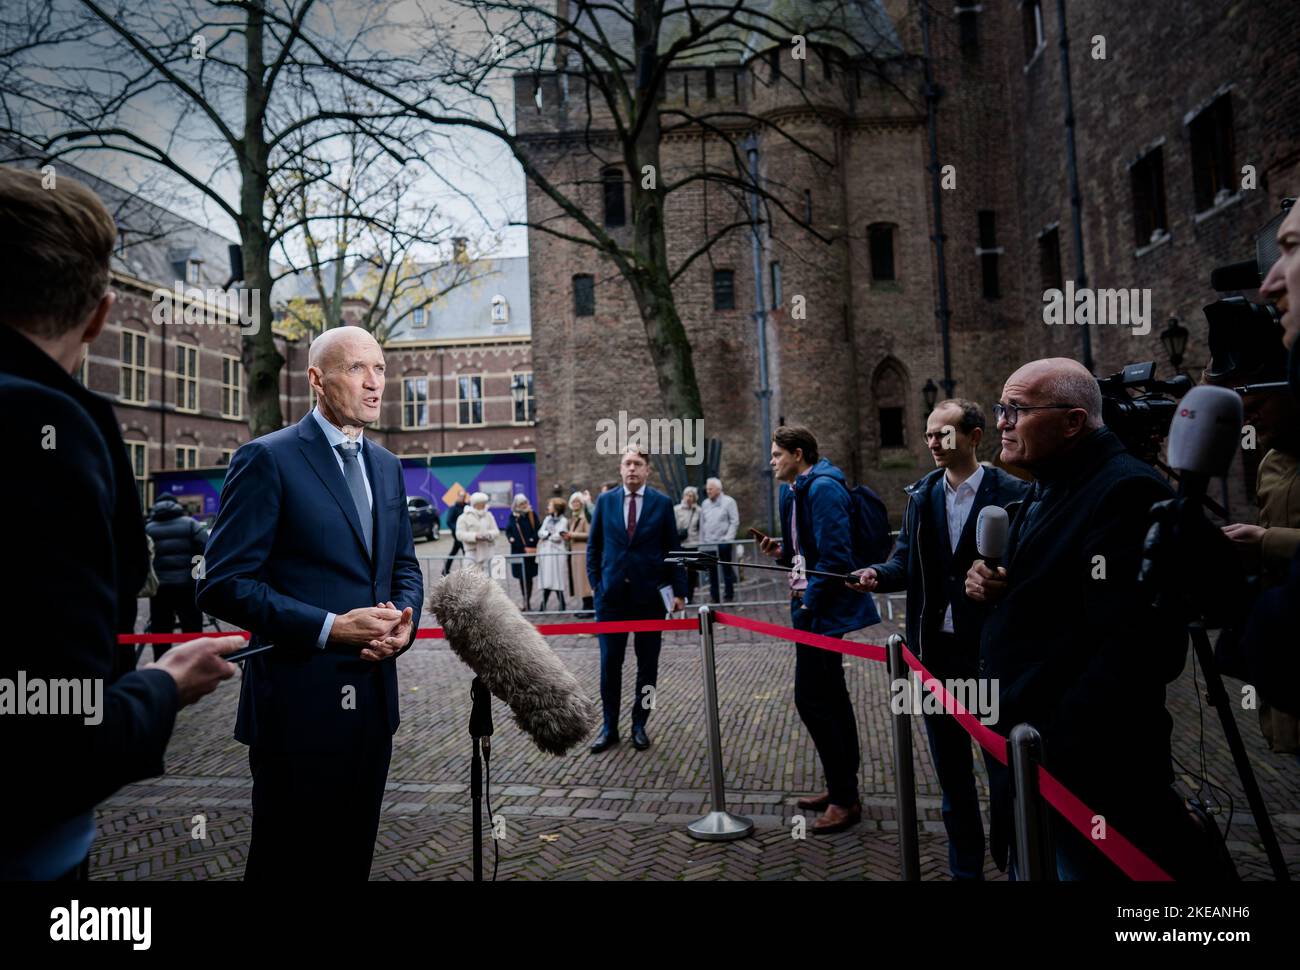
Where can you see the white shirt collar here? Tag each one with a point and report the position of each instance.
(333, 434)
(973, 482)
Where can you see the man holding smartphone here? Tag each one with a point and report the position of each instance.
(816, 534)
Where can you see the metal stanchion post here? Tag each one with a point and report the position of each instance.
(1035, 856)
(718, 825)
(909, 850)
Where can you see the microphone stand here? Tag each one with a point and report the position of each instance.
(1215, 692)
(480, 729)
(1218, 697)
(702, 561)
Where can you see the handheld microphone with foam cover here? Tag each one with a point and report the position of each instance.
(991, 535)
(514, 661)
(1203, 438)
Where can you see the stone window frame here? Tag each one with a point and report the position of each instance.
(409, 403)
(133, 374)
(187, 380)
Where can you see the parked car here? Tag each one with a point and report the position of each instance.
(424, 517)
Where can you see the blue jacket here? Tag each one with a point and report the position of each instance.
(286, 549)
(627, 576)
(924, 564)
(825, 540)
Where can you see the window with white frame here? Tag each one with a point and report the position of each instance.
(187, 378)
(134, 367)
(500, 309)
(232, 387)
(187, 456)
(419, 317)
(415, 402)
(469, 399)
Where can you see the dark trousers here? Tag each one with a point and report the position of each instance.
(728, 573)
(315, 816)
(613, 648)
(173, 602)
(950, 748)
(822, 699)
(457, 547)
(954, 764)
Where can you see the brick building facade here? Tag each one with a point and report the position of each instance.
(854, 369)
(459, 369)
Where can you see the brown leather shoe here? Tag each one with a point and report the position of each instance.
(815, 803)
(837, 818)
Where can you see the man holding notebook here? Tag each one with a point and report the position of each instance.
(632, 531)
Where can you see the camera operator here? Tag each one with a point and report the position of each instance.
(1272, 638)
(1075, 647)
(1259, 357)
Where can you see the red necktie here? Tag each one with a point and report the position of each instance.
(631, 517)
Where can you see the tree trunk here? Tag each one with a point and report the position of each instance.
(262, 361)
(670, 350)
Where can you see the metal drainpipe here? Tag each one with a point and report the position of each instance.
(764, 392)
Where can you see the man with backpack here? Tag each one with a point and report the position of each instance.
(936, 548)
(824, 526)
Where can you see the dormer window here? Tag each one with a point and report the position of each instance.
(418, 318)
(192, 271)
(500, 309)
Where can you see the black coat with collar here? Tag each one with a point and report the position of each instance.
(924, 564)
(1076, 647)
(76, 550)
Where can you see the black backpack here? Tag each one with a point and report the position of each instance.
(869, 524)
(869, 535)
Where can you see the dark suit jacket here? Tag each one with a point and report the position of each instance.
(66, 523)
(286, 549)
(627, 576)
(1080, 653)
(925, 566)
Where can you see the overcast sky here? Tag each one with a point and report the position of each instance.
(479, 187)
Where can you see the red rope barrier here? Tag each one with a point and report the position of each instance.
(1128, 857)
(1115, 846)
(867, 651)
(435, 632)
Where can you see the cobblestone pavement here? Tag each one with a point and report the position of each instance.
(623, 814)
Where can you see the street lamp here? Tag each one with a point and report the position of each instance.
(930, 394)
(1174, 339)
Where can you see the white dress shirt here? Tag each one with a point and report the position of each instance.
(627, 502)
(957, 503)
(336, 437)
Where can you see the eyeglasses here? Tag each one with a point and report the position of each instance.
(1011, 412)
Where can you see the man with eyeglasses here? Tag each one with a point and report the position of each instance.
(1074, 645)
(935, 547)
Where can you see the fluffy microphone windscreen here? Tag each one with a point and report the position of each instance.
(991, 532)
(488, 633)
(1204, 434)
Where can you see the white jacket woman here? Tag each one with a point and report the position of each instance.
(552, 560)
(478, 530)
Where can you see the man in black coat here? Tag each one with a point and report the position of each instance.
(935, 548)
(177, 539)
(64, 593)
(1070, 637)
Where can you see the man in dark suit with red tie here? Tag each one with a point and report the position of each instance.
(312, 551)
(632, 531)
